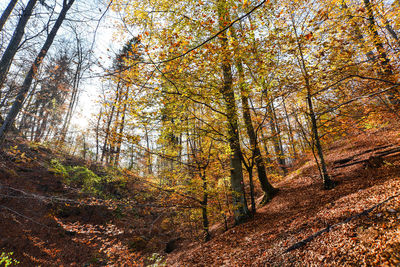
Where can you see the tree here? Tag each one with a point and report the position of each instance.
(17, 105)
(82, 65)
(269, 190)
(13, 45)
(239, 201)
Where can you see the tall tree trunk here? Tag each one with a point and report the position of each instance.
(107, 130)
(41, 123)
(26, 115)
(114, 131)
(204, 204)
(97, 133)
(357, 34)
(241, 211)
(384, 61)
(12, 47)
(148, 154)
(268, 160)
(269, 190)
(252, 194)
(16, 107)
(121, 129)
(328, 183)
(386, 71)
(7, 13)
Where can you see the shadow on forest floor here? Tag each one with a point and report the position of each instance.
(301, 208)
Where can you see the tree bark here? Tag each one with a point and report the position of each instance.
(74, 95)
(241, 211)
(148, 154)
(387, 69)
(268, 160)
(7, 13)
(204, 204)
(392, 32)
(269, 190)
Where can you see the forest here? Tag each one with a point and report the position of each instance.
(199, 133)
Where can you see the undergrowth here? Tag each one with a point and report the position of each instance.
(81, 177)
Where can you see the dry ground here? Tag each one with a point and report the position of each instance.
(33, 227)
(302, 208)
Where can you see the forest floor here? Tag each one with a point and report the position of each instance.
(42, 228)
(44, 222)
(302, 208)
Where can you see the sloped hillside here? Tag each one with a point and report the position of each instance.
(302, 209)
(50, 221)
(47, 218)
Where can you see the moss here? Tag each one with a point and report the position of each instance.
(7, 260)
(78, 176)
(86, 179)
(112, 183)
(57, 168)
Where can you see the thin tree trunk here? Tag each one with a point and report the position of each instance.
(386, 71)
(148, 154)
(97, 133)
(41, 125)
(121, 129)
(114, 133)
(25, 116)
(268, 160)
(109, 125)
(290, 130)
(73, 101)
(252, 194)
(16, 107)
(301, 134)
(392, 32)
(359, 37)
(328, 183)
(204, 204)
(280, 157)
